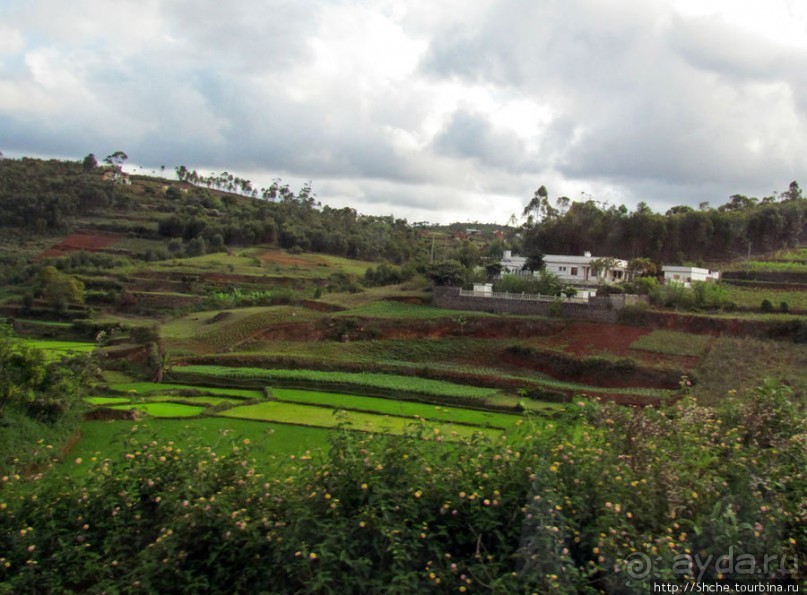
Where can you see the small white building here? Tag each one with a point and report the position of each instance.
(574, 270)
(483, 289)
(686, 276)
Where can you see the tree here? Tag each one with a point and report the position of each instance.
(22, 368)
(116, 159)
(534, 262)
(679, 210)
(792, 193)
(642, 267)
(493, 270)
(59, 289)
(446, 272)
(89, 163)
(539, 207)
(603, 264)
(738, 202)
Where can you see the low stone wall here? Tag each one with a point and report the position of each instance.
(598, 309)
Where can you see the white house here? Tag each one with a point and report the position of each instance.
(687, 275)
(574, 270)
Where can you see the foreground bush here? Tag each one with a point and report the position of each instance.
(565, 506)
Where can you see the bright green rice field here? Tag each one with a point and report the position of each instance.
(112, 439)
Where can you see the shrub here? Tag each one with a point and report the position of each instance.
(645, 285)
(562, 507)
(708, 295)
(784, 307)
(766, 306)
(385, 274)
(545, 283)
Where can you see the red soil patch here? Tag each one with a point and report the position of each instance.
(590, 338)
(89, 242)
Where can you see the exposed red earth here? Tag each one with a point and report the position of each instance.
(88, 242)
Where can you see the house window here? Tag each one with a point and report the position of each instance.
(562, 269)
(574, 271)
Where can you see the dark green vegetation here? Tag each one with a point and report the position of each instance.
(562, 507)
(683, 234)
(281, 409)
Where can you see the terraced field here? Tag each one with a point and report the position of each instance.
(295, 407)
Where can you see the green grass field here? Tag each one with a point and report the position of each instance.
(773, 266)
(326, 417)
(673, 343)
(200, 332)
(395, 407)
(112, 439)
(107, 400)
(406, 384)
(737, 364)
(161, 409)
(56, 349)
(256, 261)
(751, 297)
(400, 310)
(147, 388)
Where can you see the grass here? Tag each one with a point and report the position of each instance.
(163, 409)
(672, 343)
(205, 400)
(395, 407)
(258, 262)
(773, 266)
(56, 349)
(751, 297)
(48, 323)
(198, 332)
(112, 439)
(400, 310)
(107, 400)
(739, 363)
(405, 384)
(220, 262)
(471, 373)
(326, 417)
(148, 388)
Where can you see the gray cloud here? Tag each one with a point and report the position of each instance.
(409, 106)
(641, 94)
(471, 135)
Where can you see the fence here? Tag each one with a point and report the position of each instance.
(528, 297)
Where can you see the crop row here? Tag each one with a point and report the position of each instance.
(326, 417)
(396, 407)
(384, 382)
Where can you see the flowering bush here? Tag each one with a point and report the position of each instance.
(559, 506)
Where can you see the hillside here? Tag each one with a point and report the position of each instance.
(211, 392)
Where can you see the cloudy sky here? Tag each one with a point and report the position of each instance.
(435, 110)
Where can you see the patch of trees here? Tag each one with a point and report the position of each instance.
(682, 234)
(42, 195)
(295, 223)
(43, 390)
